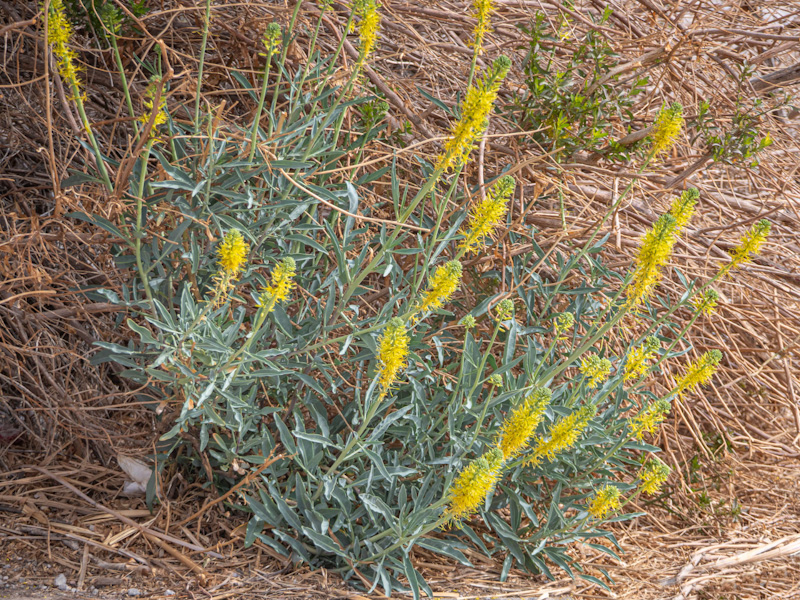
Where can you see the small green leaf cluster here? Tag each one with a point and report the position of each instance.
(737, 138)
(103, 17)
(573, 95)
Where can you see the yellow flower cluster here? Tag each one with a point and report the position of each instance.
(280, 285)
(521, 424)
(699, 372)
(367, 11)
(563, 323)
(750, 244)
(441, 286)
(639, 359)
(504, 309)
(472, 485)
(272, 37)
(563, 434)
(653, 476)
(232, 252)
(706, 303)
(392, 352)
(111, 17)
(483, 14)
(59, 34)
(487, 215)
(649, 418)
(604, 501)
(474, 116)
(666, 128)
(683, 208)
(148, 101)
(653, 255)
(657, 246)
(231, 256)
(595, 369)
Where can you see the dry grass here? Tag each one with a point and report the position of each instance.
(62, 413)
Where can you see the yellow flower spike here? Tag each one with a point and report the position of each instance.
(653, 254)
(657, 246)
(231, 256)
(280, 285)
(649, 419)
(367, 11)
(59, 35)
(232, 252)
(468, 322)
(441, 286)
(522, 422)
(474, 116)
(605, 501)
(392, 352)
(750, 244)
(272, 38)
(639, 358)
(563, 323)
(483, 13)
(148, 100)
(111, 17)
(666, 128)
(653, 476)
(504, 310)
(563, 434)
(699, 372)
(595, 369)
(706, 303)
(485, 216)
(683, 208)
(471, 486)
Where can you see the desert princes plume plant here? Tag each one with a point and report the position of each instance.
(325, 329)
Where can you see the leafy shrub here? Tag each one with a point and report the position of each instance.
(737, 142)
(570, 102)
(297, 334)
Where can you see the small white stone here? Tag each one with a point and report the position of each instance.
(169, 593)
(61, 581)
(134, 592)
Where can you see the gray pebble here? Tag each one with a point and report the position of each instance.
(134, 592)
(61, 582)
(169, 593)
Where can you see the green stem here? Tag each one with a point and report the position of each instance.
(203, 44)
(125, 90)
(345, 453)
(586, 247)
(282, 62)
(478, 381)
(101, 165)
(311, 49)
(339, 47)
(376, 260)
(139, 232)
(256, 121)
(330, 112)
